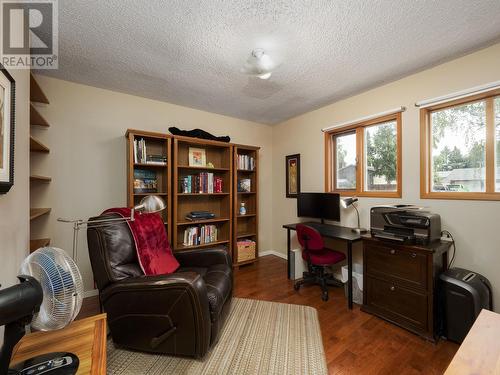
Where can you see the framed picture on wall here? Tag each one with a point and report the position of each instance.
(292, 175)
(7, 122)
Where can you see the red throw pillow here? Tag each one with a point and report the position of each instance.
(153, 250)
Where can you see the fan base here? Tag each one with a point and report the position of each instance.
(58, 363)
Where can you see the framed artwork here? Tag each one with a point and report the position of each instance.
(197, 157)
(7, 123)
(292, 175)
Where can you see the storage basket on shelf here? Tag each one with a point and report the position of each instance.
(246, 250)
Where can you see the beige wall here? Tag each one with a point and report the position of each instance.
(14, 206)
(474, 224)
(87, 154)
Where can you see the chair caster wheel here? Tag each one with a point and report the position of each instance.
(296, 286)
(324, 296)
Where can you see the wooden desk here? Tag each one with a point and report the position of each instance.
(480, 351)
(86, 338)
(330, 231)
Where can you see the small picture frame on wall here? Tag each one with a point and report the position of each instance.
(7, 124)
(197, 157)
(292, 175)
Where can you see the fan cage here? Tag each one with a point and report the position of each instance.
(62, 287)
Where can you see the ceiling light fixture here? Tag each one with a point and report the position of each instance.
(259, 64)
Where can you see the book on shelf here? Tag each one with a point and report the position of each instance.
(200, 235)
(246, 162)
(145, 181)
(244, 185)
(200, 215)
(156, 159)
(204, 182)
(141, 155)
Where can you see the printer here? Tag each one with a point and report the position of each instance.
(405, 224)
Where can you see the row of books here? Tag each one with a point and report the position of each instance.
(246, 162)
(204, 182)
(145, 181)
(141, 155)
(200, 235)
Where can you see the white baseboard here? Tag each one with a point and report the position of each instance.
(272, 252)
(90, 293)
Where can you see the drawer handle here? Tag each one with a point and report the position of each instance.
(413, 255)
(392, 288)
(393, 251)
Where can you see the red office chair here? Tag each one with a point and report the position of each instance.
(317, 257)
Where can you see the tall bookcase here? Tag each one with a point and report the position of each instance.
(217, 161)
(157, 145)
(245, 226)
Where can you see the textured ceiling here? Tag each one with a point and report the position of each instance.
(190, 52)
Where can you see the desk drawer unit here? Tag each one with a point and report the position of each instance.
(398, 304)
(398, 265)
(399, 283)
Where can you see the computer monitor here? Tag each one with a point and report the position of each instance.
(324, 206)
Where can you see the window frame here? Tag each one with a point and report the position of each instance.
(426, 151)
(358, 128)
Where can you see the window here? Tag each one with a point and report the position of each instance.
(364, 159)
(460, 149)
(345, 161)
(497, 144)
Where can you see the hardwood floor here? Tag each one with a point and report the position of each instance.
(354, 342)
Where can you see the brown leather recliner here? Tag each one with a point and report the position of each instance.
(180, 314)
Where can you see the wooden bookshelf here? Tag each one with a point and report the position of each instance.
(220, 155)
(156, 144)
(245, 226)
(39, 182)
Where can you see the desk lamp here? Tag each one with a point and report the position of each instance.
(346, 202)
(148, 204)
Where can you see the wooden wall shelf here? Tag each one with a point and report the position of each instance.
(37, 146)
(36, 244)
(44, 179)
(36, 118)
(37, 212)
(36, 93)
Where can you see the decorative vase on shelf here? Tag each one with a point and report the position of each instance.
(243, 210)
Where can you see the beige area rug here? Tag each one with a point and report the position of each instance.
(259, 337)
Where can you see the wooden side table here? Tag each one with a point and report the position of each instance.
(86, 338)
(480, 351)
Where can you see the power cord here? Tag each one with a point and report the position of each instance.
(453, 244)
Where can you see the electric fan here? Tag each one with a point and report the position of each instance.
(53, 283)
